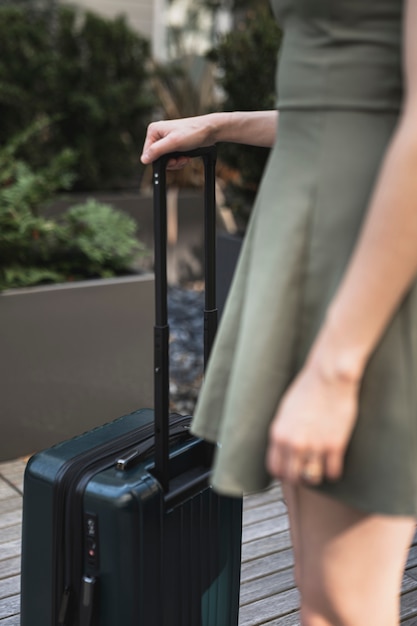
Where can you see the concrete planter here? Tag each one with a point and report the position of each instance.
(72, 357)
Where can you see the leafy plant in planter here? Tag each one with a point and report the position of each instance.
(92, 72)
(246, 58)
(90, 240)
(97, 240)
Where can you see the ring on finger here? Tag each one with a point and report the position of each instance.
(312, 471)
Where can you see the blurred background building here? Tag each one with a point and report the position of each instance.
(155, 18)
(148, 17)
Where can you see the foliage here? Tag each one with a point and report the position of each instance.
(99, 240)
(246, 58)
(90, 240)
(88, 71)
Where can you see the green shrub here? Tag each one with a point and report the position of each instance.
(89, 240)
(246, 58)
(89, 71)
(25, 236)
(98, 240)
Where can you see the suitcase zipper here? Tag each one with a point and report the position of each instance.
(70, 484)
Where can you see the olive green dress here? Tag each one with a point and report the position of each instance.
(339, 96)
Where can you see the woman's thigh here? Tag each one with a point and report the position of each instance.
(349, 564)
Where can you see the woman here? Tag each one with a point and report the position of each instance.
(313, 372)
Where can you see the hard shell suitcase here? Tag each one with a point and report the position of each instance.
(120, 527)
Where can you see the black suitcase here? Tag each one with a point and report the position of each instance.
(120, 527)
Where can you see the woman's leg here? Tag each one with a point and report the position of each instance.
(349, 564)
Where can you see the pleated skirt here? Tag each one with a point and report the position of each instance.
(309, 210)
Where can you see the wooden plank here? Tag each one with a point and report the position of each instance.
(412, 558)
(269, 511)
(10, 533)
(264, 529)
(292, 619)
(409, 606)
(267, 545)
(9, 549)
(269, 609)
(13, 471)
(408, 584)
(11, 504)
(6, 491)
(9, 606)
(266, 586)
(267, 565)
(9, 567)
(273, 494)
(11, 518)
(11, 621)
(9, 587)
(412, 572)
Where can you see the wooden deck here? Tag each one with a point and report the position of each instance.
(268, 595)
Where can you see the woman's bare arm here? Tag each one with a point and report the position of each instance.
(315, 419)
(257, 128)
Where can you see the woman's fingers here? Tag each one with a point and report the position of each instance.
(302, 465)
(177, 164)
(282, 462)
(275, 460)
(334, 464)
(293, 467)
(313, 469)
(162, 146)
(156, 144)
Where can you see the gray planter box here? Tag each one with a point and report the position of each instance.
(72, 357)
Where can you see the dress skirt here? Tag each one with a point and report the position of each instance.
(309, 210)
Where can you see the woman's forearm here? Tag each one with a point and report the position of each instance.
(257, 128)
(382, 267)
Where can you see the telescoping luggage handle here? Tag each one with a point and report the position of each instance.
(161, 329)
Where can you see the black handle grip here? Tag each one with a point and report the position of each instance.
(161, 330)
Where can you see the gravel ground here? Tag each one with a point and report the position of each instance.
(185, 318)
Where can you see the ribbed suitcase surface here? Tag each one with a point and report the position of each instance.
(119, 524)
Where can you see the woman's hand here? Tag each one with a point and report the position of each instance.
(255, 128)
(312, 427)
(177, 135)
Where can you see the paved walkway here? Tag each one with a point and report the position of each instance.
(268, 596)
